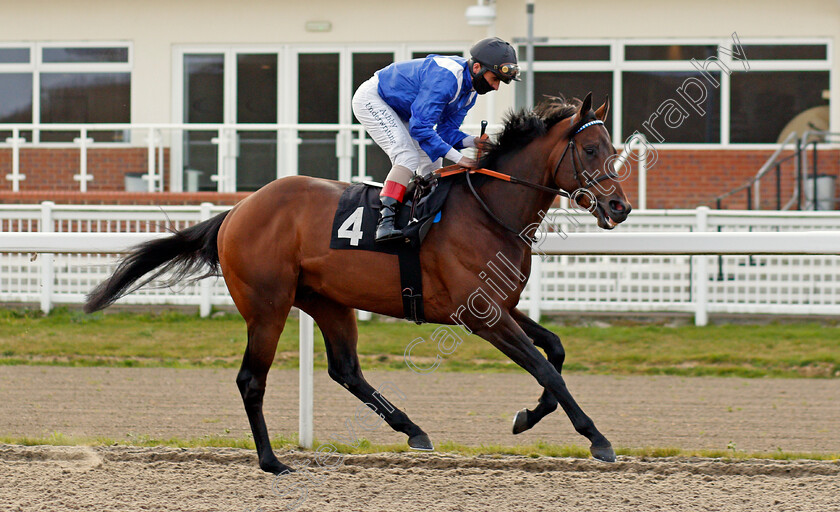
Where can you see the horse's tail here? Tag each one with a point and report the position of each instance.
(183, 253)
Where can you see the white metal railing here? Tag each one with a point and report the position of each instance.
(156, 137)
(75, 248)
(638, 143)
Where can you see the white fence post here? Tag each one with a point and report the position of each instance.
(47, 271)
(642, 176)
(535, 288)
(151, 176)
(83, 177)
(221, 161)
(344, 154)
(15, 177)
(362, 142)
(701, 275)
(307, 406)
(205, 285)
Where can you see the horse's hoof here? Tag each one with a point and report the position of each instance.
(603, 453)
(520, 422)
(275, 467)
(420, 442)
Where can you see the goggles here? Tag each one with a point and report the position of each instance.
(506, 72)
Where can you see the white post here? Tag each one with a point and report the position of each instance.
(205, 285)
(363, 315)
(221, 175)
(535, 288)
(642, 176)
(160, 160)
(151, 176)
(83, 177)
(362, 163)
(47, 275)
(701, 275)
(344, 154)
(16, 177)
(307, 407)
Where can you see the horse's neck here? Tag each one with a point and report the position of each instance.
(519, 205)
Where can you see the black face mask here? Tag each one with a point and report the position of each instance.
(480, 84)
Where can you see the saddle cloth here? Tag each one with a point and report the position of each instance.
(354, 223)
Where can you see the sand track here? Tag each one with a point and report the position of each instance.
(690, 413)
(169, 479)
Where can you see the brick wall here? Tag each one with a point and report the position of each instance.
(690, 178)
(679, 179)
(54, 168)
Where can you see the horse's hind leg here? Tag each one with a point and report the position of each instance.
(553, 347)
(338, 325)
(263, 334)
(265, 319)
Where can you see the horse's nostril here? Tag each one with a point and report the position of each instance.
(617, 206)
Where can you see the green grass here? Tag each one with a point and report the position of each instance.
(169, 339)
(538, 449)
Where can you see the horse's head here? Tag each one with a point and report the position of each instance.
(584, 167)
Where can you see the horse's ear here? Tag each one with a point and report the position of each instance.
(586, 106)
(603, 110)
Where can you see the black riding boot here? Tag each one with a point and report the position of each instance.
(386, 230)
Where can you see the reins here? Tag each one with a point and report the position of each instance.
(456, 169)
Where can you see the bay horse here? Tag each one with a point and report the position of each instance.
(273, 251)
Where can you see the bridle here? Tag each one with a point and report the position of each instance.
(576, 158)
(586, 185)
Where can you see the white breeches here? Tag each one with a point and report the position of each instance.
(389, 131)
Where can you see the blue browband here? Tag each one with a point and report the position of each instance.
(587, 125)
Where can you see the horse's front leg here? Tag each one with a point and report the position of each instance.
(553, 347)
(506, 335)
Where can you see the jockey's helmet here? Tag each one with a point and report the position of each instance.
(498, 57)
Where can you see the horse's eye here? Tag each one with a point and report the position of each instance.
(589, 151)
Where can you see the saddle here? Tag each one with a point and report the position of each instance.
(354, 228)
(354, 223)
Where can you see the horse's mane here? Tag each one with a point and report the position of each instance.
(523, 126)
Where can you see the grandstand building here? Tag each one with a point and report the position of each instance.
(183, 102)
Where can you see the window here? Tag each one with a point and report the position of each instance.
(669, 52)
(569, 85)
(16, 107)
(691, 82)
(786, 51)
(764, 102)
(14, 55)
(567, 53)
(364, 65)
(76, 83)
(85, 98)
(644, 93)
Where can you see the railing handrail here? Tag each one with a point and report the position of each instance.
(770, 163)
(824, 133)
(192, 126)
(802, 163)
(658, 212)
(637, 243)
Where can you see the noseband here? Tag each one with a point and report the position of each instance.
(586, 185)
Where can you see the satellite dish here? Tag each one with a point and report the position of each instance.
(812, 119)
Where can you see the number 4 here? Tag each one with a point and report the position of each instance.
(352, 227)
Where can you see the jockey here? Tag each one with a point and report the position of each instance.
(413, 110)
